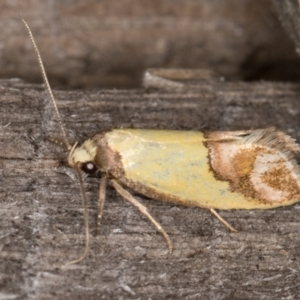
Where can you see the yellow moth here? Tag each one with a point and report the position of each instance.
(253, 169)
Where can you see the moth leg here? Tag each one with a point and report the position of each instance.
(143, 210)
(102, 196)
(86, 219)
(222, 220)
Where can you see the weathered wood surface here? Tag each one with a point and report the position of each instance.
(41, 224)
(289, 15)
(110, 42)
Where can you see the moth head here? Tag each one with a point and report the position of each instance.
(83, 157)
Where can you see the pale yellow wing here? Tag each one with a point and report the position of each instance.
(176, 166)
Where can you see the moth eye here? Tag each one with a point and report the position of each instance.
(89, 167)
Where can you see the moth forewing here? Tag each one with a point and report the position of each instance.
(236, 170)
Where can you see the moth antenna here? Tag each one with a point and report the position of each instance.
(86, 220)
(45, 78)
(69, 147)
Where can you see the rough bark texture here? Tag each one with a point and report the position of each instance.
(110, 43)
(41, 214)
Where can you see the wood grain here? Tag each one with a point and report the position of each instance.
(41, 221)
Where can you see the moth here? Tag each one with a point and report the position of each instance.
(254, 169)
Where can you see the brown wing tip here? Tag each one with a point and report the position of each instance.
(259, 164)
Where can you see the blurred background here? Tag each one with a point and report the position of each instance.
(109, 43)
